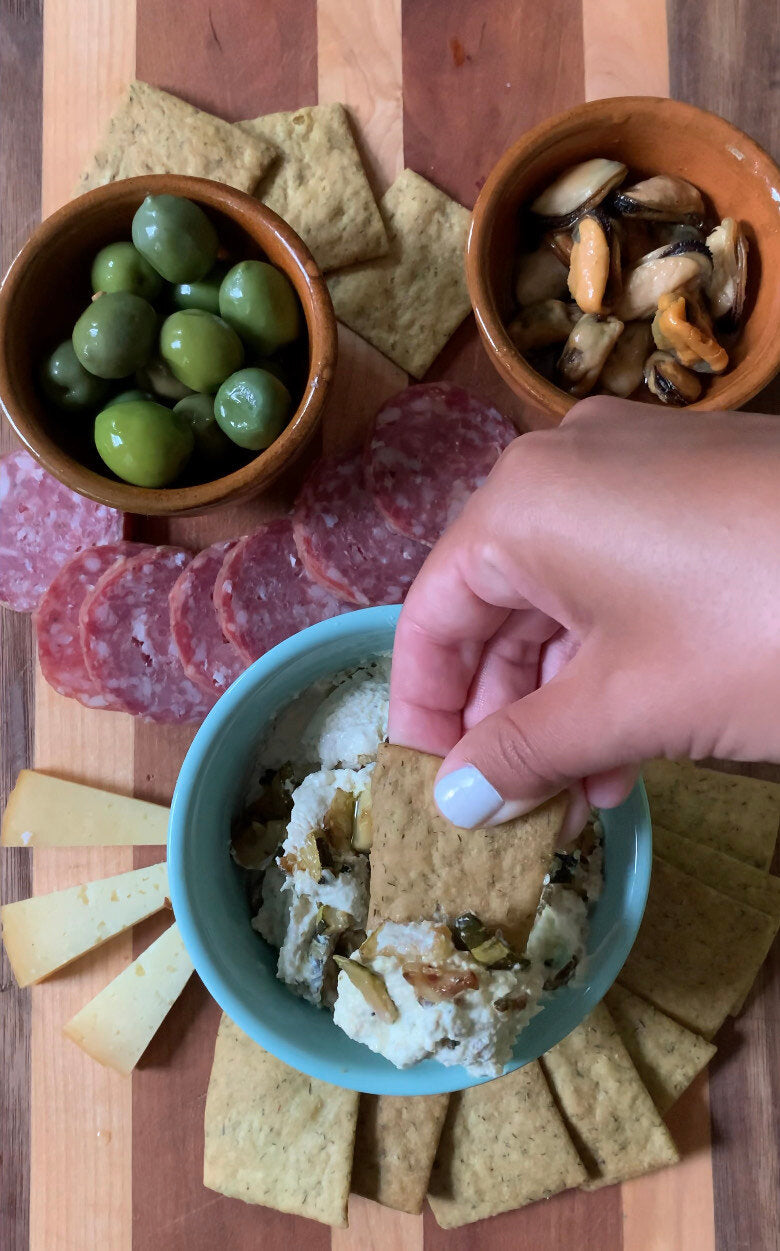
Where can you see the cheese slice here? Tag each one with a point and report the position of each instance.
(117, 1025)
(47, 932)
(47, 812)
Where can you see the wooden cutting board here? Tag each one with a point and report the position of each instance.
(91, 1160)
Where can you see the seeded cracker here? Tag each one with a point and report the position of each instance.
(275, 1136)
(697, 952)
(408, 303)
(667, 1056)
(396, 1142)
(421, 862)
(614, 1123)
(732, 813)
(503, 1145)
(319, 186)
(731, 877)
(156, 133)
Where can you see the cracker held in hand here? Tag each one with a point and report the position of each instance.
(503, 1145)
(319, 186)
(275, 1136)
(732, 813)
(421, 863)
(667, 1056)
(396, 1142)
(408, 303)
(697, 952)
(615, 1125)
(156, 133)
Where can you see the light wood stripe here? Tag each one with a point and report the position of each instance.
(625, 53)
(81, 1130)
(625, 48)
(374, 1228)
(359, 64)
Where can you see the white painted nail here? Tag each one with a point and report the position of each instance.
(466, 798)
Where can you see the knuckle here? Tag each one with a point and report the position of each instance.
(519, 754)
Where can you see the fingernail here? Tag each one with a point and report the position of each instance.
(466, 798)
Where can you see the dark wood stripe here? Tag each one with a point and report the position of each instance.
(238, 61)
(724, 57)
(475, 76)
(589, 1222)
(21, 67)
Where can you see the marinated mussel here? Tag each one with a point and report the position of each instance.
(671, 382)
(586, 351)
(577, 189)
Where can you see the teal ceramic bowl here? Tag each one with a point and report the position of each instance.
(209, 902)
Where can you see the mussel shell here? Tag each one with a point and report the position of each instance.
(578, 188)
(671, 382)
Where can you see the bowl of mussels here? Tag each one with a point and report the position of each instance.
(628, 247)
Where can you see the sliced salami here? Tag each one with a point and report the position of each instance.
(431, 447)
(57, 622)
(42, 525)
(209, 659)
(344, 540)
(125, 628)
(263, 593)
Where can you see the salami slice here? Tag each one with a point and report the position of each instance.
(43, 524)
(344, 540)
(57, 622)
(263, 593)
(209, 659)
(431, 447)
(125, 628)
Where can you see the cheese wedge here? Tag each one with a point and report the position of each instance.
(46, 812)
(117, 1025)
(47, 932)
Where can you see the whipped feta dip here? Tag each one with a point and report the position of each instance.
(412, 991)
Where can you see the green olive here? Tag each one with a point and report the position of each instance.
(200, 348)
(143, 442)
(129, 397)
(68, 384)
(212, 445)
(260, 303)
(176, 237)
(115, 335)
(252, 407)
(202, 294)
(156, 376)
(120, 267)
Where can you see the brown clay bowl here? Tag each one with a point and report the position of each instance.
(47, 287)
(650, 135)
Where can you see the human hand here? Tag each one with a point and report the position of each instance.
(610, 594)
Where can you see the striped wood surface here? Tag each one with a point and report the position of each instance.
(91, 1160)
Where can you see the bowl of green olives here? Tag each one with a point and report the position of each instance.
(166, 345)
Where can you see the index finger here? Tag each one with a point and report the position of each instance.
(439, 641)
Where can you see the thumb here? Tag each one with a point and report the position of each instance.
(574, 727)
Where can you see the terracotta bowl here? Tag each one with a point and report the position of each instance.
(47, 287)
(650, 135)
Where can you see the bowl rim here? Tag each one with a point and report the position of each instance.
(285, 1047)
(321, 329)
(553, 402)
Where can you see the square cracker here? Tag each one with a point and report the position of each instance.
(275, 1136)
(319, 185)
(614, 1123)
(735, 878)
(504, 1144)
(667, 1056)
(408, 303)
(732, 813)
(396, 1142)
(697, 952)
(421, 863)
(153, 132)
